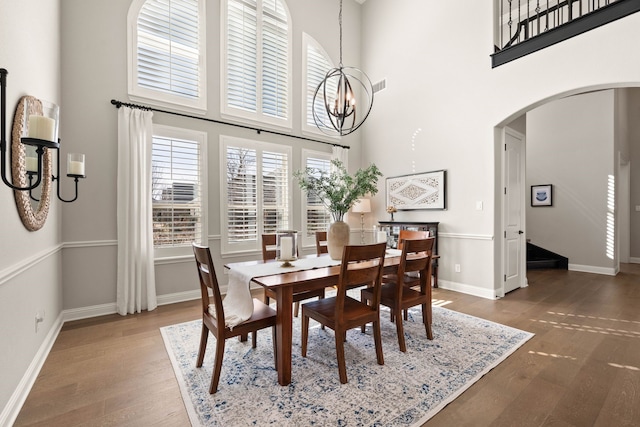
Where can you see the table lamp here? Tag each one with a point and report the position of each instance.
(362, 206)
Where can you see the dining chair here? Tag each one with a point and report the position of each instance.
(213, 316)
(269, 253)
(416, 257)
(321, 243)
(361, 264)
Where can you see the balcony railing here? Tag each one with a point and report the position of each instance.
(525, 26)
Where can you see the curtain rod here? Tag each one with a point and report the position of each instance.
(119, 104)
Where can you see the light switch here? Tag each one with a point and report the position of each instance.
(479, 205)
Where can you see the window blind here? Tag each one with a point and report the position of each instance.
(318, 216)
(318, 64)
(257, 193)
(257, 57)
(168, 47)
(176, 192)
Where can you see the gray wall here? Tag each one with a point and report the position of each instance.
(29, 261)
(576, 131)
(634, 156)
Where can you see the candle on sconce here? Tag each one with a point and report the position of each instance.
(75, 164)
(31, 163)
(41, 127)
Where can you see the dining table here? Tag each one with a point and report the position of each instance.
(285, 284)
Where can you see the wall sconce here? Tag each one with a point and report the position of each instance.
(39, 130)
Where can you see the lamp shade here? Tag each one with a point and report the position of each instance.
(362, 206)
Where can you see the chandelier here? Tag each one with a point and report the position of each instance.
(334, 101)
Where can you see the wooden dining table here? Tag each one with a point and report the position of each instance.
(284, 285)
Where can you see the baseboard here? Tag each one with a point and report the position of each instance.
(111, 308)
(179, 297)
(634, 260)
(607, 271)
(467, 289)
(19, 396)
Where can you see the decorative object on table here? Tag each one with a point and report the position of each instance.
(542, 195)
(464, 349)
(338, 191)
(417, 191)
(286, 247)
(391, 210)
(334, 101)
(362, 206)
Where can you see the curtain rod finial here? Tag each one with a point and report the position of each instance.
(118, 104)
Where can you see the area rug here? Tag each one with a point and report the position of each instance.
(407, 390)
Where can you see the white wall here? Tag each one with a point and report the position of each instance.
(441, 87)
(29, 261)
(570, 144)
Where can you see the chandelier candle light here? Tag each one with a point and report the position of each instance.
(334, 101)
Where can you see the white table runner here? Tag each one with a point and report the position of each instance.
(238, 303)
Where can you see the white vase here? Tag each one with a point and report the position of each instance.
(337, 239)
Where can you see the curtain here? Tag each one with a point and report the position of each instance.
(341, 154)
(136, 288)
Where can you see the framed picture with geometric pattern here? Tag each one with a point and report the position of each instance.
(425, 190)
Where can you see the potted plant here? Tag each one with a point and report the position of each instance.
(339, 191)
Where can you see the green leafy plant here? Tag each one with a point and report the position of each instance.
(337, 189)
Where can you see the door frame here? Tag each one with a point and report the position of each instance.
(500, 291)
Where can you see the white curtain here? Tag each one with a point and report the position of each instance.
(136, 289)
(341, 154)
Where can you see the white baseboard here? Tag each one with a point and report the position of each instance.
(19, 396)
(634, 260)
(608, 271)
(111, 308)
(467, 289)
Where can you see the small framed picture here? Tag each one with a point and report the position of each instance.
(542, 195)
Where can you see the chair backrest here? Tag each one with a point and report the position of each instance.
(416, 257)
(268, 247)
(411, 234)
(361, 265)
(321, 243)
(208, 280)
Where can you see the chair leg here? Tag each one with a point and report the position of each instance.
(342, 367)
(217, 367)
(296, 308)
(406, 314)
(305, 333)
(254, 339)
(243, 337)
(377, 337)
(265, 298)
(426, 318)
(400, 332)
(275, 346)
(204, 336)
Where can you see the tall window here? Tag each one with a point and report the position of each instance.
(257, 60)
(316, 64)
(256, 195)
(316, 215)
(167, 52)
(178, 189)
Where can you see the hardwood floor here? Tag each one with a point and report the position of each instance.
(581, 369)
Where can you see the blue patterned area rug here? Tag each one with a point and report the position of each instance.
(407, 390)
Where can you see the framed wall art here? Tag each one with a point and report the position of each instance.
(425, 190)
(542, 195)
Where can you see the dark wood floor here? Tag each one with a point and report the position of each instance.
(581, 369)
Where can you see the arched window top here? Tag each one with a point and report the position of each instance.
(316, 63)
(166, 63)
(256, 60)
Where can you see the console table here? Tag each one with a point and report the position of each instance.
(393, 230)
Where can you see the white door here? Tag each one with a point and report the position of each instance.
(514, 249)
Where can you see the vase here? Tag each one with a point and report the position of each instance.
(337, 239)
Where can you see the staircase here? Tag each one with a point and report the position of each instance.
(539, 258)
